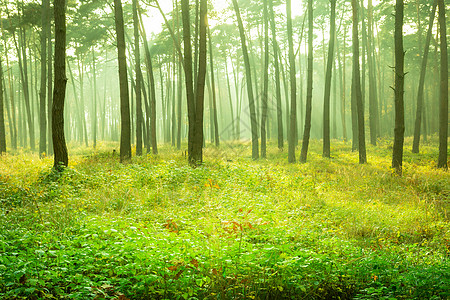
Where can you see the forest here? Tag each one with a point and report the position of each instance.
(224, 149)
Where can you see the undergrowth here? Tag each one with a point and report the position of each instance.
(231, 229)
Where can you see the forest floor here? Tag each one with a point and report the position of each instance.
(231, 229)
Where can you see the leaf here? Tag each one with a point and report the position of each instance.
(194, 262)
(173, 268)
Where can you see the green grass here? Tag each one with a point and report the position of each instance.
(231, 229)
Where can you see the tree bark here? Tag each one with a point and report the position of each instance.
(2, 116)
(399, 130)
(293, 82)
(137, 59)
(59, 94)
(443, 111)
(309, 85)
(328, 74)
(125, 133)
(266, 81)
(197, 147)
(420, 108)
(277, 77)
(253, 121)
(213, 85)
(357, 87)
(42, 93)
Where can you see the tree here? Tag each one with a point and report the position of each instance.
(419, 109)
(137, 57)
(277, 76)
(399, 130)
(266, 80)
(59, 93)
(248, 76)
(443, 111)
(42, 112)
(125, 133)
(293, 116)
(326, 101)
(356, 90)
(309, 85)
(2, 116)
(197, 146)
(216, 123)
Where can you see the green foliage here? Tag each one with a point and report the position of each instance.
(230, 229)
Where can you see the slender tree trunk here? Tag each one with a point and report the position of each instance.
(94, 91)
(197, 155)
(233, 121)
(49, 86)
(188, 76)
(399, 131)
(265, 95)
(420, 108)
(214, 101)
(137, 57)
(125, 134)
(253, 125)
(309, 87)
(373, 101)
(357, 87)
(326, 102)
(42, 113)
(152, 90)
(2, 117)
(443, 112)
(59, 94)
(293, 81)
(277, 76)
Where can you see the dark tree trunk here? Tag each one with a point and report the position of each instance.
(59, 94)
(443, 111)
(125, 133)
(213, 85)
(137, 57)
(50, 87)
(94, 91)
(2, 116)
(42, 112)
(373, 101)
(357, 87)
(342, 85)
(309, 87)
(293, 81)
(152, 91)
(253, 121)
(266, 81)
(420, 108)
(197, 147)
(399, 130)
(188, 76)
(326, 101)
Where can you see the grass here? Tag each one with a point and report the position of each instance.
(231, 229)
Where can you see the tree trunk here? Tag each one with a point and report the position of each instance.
(265, 95)
(59, 94)
(253, 121)
(42, 113)
(94, 91)
(213, 85)
(399, 130)
(197, 145)
(50, 87)
(2, 117)
(277, 76)
(309, 87)
(188, 76)
(137, 57)
(373, 101)
(125, 133)
(293, 81)
(357, 87)
(326, 101)
(420, 108)
(443, 112)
